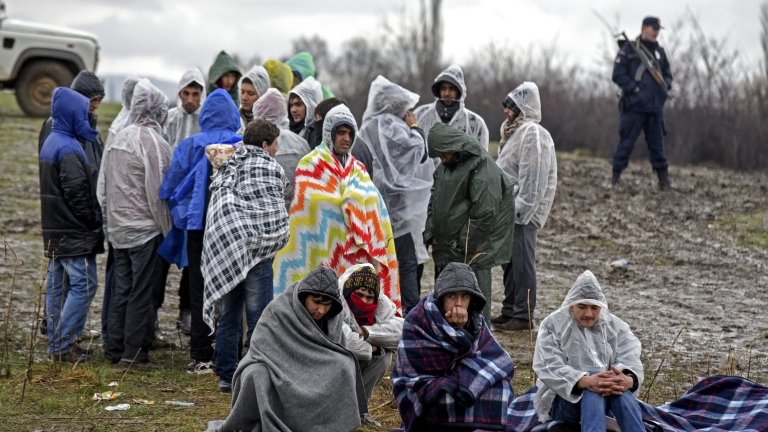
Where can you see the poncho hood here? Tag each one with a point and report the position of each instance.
(337, 116)
(386, 97)
(87, 84)
(259, 77)
(310, 92)
(526, 96)
(69, 110)
(191, 75)
(224, 63)
(149, 105)
(271, 107)
(280, 76)
(303, 64)
(454, 75)
(219, 113)
(446, 139)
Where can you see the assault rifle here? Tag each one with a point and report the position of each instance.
(647, 61)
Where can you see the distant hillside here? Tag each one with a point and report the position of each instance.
(113, 87)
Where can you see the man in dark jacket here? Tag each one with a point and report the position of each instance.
(643, 100)
(71, 222)
(471, 211)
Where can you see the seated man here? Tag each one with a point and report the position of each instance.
(373, 329)
(297, 374)
(587, 361)
(450, 372)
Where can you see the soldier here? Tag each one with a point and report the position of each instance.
(644, 91)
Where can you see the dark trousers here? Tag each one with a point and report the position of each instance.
(630, 125)
(201, 340)
(520, 274)
(407, 264)
(184, 290)
(137, 273)
(109, 282)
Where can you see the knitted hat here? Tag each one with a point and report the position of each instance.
(364, 277)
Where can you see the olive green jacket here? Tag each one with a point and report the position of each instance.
(223, 64)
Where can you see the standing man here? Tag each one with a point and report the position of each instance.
(403, 174)
(303, 66)
(642, 101)
(471, 210)
(253, 85)
(527, 157)
(302, 101)
(224, 74)
(450, 92)
(71, 221)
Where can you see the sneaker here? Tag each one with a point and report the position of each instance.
(514, 324)
(225, 387)
(367, 419)
(72, 356)
(501, 319)
(184, 322)
(200, 367)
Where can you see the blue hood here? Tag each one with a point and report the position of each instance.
(69, 110)
(219, 113)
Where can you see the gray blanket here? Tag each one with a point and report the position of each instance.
(295, 377)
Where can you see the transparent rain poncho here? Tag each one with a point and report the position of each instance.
(311, 93)
(133, 169)
(566, 351)
(464, 120)
(259, 77)
(121, 120)
(403, 169)
(528, 159)
(180, 124)
(290, 147)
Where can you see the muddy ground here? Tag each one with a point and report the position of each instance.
(698, 253)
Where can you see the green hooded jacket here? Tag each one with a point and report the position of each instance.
(223, 64)
(473, 196)
(304, 64)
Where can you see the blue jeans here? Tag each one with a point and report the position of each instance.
(593, 407)
(71, 287)
(255, 292)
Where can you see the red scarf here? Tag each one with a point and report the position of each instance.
(363, 312)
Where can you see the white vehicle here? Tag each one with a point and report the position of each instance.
(37, 58)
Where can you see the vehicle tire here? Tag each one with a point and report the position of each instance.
(35, 85)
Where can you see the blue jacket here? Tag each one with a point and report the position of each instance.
(650, 97)
(70, 213)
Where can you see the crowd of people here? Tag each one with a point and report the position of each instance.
(303, 236)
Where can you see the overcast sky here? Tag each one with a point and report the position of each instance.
(161, 38)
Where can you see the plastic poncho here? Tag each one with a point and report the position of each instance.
(259, 78)
(399, 153)
(181, 124)
(290, 147)
(224, 63)
(280, 76)
(464, 120)
(304, 65)
(475, 190)
(310, 92)
(121, 121)
(134, 166)
(528, 159)
(566, 351)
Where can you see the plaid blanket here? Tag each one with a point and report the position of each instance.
(716, 403)
(246, 222)
(444, 375)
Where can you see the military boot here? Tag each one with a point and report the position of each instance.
(664, 183)
(616, 179)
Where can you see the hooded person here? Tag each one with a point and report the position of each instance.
(587, 360)
(337, 216)
(471, 210)
(280, 76)
(450, 372)
(137, 221)
(299, 340)
(290, 147)
(121, 120)
(403, 175)
(183, 119)
(302, 101)
(71, 223)
(372, 327)
(527, 157)
(186, 188)
(224, 74)
(252, 86)
(450, 92)
(303, 66)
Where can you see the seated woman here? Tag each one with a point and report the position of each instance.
(587, 361)
(450, 372)
(297, 375)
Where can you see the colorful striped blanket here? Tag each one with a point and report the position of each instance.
(337, 219)
(716, 403)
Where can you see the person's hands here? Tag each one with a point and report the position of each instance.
(607, 383)
(457, 317)
(374, 348)
(410, 119)
(362, 332)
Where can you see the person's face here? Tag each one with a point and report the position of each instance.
(510, 114)
(456, 299)
(298, 109)
(448, 93)
(94, 103)
(190, 98)
(444, 158)
(365, 295)
(586, 314)
(228, 81)
(342, 142)
(270, 148)
(649, 33)
(317, 306)
(248, 96)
